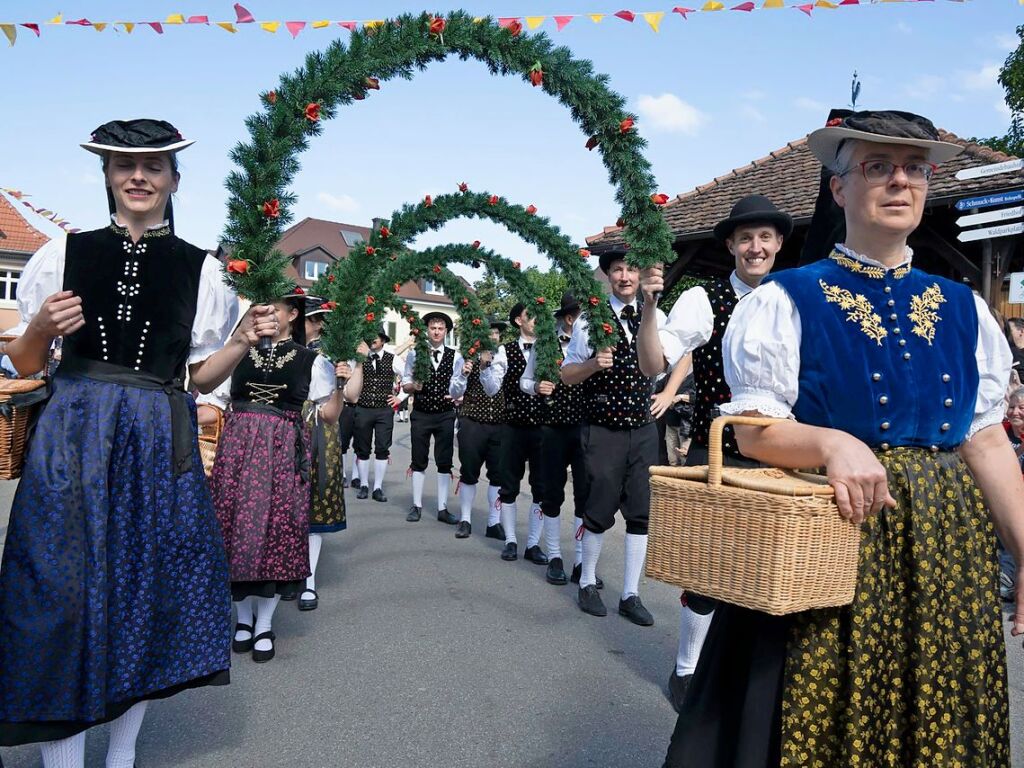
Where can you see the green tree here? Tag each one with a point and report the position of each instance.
(551, 285)
(494, 294)
(1011, 77)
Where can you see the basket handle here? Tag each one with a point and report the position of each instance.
(715, 440)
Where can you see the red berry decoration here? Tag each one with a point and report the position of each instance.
(331, 278)
(476, 243)
(428, 201)
(330, 306)
(517, 264)
(312, 112)
(272, 209)
(492, 200)
(437, 268)
(370, 300)
(370, 250)
(272, 97)
(541, 299)
(397, 287)
(369, 317)
(476, 321)
(607, 329)
(659, 199)
(463, 186)
(238, 266)
(626, 125)
(531, 209)
(465, 302)
(437, 25)
(584, 253)
(385, 232)
(515, 28)
(537, 75)
(594, 301)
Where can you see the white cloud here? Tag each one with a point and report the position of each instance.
(982, 79)
(1007, 43)
(753, 95)
(811, 105)
(752, 114)
(671, 114)
(925, 87)
(341, 203)
(902, 26)
(1002, 109)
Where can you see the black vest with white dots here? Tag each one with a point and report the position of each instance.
(478, 406)
(619, 397)
(433, 398)
(710, 388)
(565, 407)
(521, 409)
(139, 299)
(280, 378)
(378, 381)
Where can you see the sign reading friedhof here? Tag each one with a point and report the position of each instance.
(1003, 214)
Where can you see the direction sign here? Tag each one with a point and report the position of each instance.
(990, 170)
(1016, 287)
(1002, 198)
(1003, 214)
(991, 232)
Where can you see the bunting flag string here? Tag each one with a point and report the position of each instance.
(46, 213)
(294, 28)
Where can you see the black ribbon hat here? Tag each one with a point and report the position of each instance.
(515, 312)
(496, 322)
(383, 334)
(438, 316)
(569, 306)
(605, 259)
(754, 209)
(315, 306)
(881, 127)
(136, 136)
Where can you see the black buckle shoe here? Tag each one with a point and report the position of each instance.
(292, 593)
(556, 573)
(363, 492)
(677, 685)
(355, 482)
(496, 531)
(261, 656)
(378, 495)
(242, 646)
(510, 552)
(634, 610)
(446, 517)
(463, 530)
(414, 515)
(306, 604)
(577, 571)
(591, 602)
(535, 555)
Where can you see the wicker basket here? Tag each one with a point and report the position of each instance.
(767, 539)
(209, 436)
(19, 399)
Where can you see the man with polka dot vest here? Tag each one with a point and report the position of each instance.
(619, 438)
(753, 234)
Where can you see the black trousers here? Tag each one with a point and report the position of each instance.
(519, 446)
(346, 425)
(441, 427)
(479, 444)
(376, 425)
(617, 463)
(560, 449)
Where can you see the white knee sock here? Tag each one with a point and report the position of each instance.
(66, 753)
(363, 470)
(348, 465)
(444, 482)
(493, 506)
(123, 733)
(380, 466)
(316, 541)
(466, 495)
(591, 552)
(553, 537)
(508, 521)
(577, 528)
(265, 607)
(535, 526)
(636, 554)
(418, 478)
(244, 608)
(693, 628)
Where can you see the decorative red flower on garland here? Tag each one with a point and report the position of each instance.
(517, 264)
(607, 329)
(437, 268)
(369, 317)
(584, 253)
(238, 266)
(397, 287)
(476, 321)
(541, 299)
(330, 306)
(272, 208)
(537, 74)
(299, 291)
(373, 83)
(405, 307)
(313, 111)
(272, 97)
(659, 199)
(411, 320)
(531, 209)
(370, 300)
(465, 302)
(370, 250)
(626, 125)
(476, 243)
(463, 186)
(515, 28)
(331, 278)
(428, 201)
(620, 222)
(385, 232)
(592, 142)
(559, 361)
(594, 301)
(437, 25)
(492, 200)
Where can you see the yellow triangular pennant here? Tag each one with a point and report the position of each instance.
(534, 21)
(774, 4)
(227, 25)
(824, 4)
(10, 31)
(654, 18)
(596, 17)
(99, 26)
(478, 19)
(175, 18)
(321, 24)
(270, 26)
(58, 19)
(713, 5)
(373, 24)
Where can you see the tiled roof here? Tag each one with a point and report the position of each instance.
(16, 234)
(790, 177)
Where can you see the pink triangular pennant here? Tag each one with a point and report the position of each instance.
(244, 17)
(625, 15)
(850, 2)
(562, 21)
(295, 27)
(198, 19)
(349, 25)
(682, 11)
(80, 23)
(33, 27)
(807, 8)
(506, 21)
(156, 25)
(743, 7)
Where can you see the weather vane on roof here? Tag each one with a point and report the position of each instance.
(854, 91)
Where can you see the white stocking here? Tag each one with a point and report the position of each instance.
(418, 478)
(66, 753)
(493, 506)
(316, 541)
(444, 482)
(123, 733)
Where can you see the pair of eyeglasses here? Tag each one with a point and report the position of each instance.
(876, 172)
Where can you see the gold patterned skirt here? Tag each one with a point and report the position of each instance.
(913, 673)
(327, 510)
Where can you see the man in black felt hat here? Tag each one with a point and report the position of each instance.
(480, 424)
(753, 234)
(619, 438)
(433, 416)
(374, 419)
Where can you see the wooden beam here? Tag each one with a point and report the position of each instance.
(952, 256)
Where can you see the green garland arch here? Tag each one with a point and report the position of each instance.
(259, 203)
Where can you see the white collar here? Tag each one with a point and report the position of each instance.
(523, 342)
(850, 253)
(740, 288)
(161, 225)
(618, 305)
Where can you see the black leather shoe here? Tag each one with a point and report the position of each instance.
(496, 531)
(242, 646)
(363, 492)
(556, 573)
(291, 594)
(510, 552)
(677, 685)
(577, 572)
(463, 530)
(261, 656)
(591, 602)
(414, 515)
(378, 495)
(306, 604)
(444, 516)
(634, 610)
(355, 482)
(535, 555)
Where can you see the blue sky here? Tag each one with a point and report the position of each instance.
(713, 92)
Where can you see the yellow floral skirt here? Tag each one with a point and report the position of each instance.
(913, 673)
(327, 509)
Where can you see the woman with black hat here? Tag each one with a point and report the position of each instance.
(261, 478)
(113, 589)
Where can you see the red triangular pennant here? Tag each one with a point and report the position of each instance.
(33, 27)
(625, 15)
(682, 11)
(506, 21)
(562, 21)
(80, 23)
(156, 25)
(349, 25)
(743, 7)
(198, 19)
(805, 8)
(294, 27)
(244, 17)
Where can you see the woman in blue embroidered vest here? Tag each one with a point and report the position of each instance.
(898, 393)
(113, 588)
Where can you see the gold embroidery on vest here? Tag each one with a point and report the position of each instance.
(924, 312)
(270, 362)
(866, 269)
(858, 310)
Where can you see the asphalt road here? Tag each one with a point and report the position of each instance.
(431, 652)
